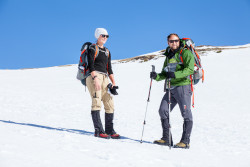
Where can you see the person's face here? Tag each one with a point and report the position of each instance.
(174, 42)
(103, 38)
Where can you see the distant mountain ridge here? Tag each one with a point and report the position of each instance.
(202, 51)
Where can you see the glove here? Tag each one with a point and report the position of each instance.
(112, 89)
(170, 75)
(153, 75)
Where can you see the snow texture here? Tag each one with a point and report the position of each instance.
(45, 118)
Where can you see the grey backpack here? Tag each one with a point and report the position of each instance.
(83, 68)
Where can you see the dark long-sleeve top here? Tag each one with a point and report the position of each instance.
(102, 63)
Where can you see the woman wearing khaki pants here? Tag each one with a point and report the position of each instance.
(101, 71)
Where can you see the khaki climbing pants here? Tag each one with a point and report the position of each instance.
(102, 95)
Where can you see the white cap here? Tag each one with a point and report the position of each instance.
(100, 31)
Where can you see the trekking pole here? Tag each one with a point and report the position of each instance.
(144, 122)
(169, 110)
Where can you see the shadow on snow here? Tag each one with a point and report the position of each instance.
(77, 131)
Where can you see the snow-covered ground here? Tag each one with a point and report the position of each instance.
(45, 118)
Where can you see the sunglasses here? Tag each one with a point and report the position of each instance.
(172, 41)
(107, 36)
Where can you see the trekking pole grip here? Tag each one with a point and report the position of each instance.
(153, 68)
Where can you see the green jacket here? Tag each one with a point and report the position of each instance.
(182, 70)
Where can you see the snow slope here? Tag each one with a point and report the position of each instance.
(45, 117)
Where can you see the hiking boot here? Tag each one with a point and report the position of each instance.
(102, 135)
(109, 126)
(115, 136)
(162, 142)
(99, 132)
(182, 145)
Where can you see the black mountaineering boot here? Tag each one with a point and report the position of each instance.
(99, 132)
(185, 139)
(109, 129)
(165, 135)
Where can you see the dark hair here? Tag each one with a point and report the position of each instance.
(173, 34)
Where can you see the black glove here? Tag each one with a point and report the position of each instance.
(113, 89)
(153, 75)
(170, 75)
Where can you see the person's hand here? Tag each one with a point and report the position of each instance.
(153, 75)
(170, 75)
(112, 89)
(97, 84)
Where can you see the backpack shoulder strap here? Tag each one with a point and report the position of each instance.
(183, 46)
(96, 49)
(107, 52)
(96, 52)
(180, 54)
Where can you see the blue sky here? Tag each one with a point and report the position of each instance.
(44, 33)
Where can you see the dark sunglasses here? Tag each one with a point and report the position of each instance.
(107, 36)
(172, 41)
